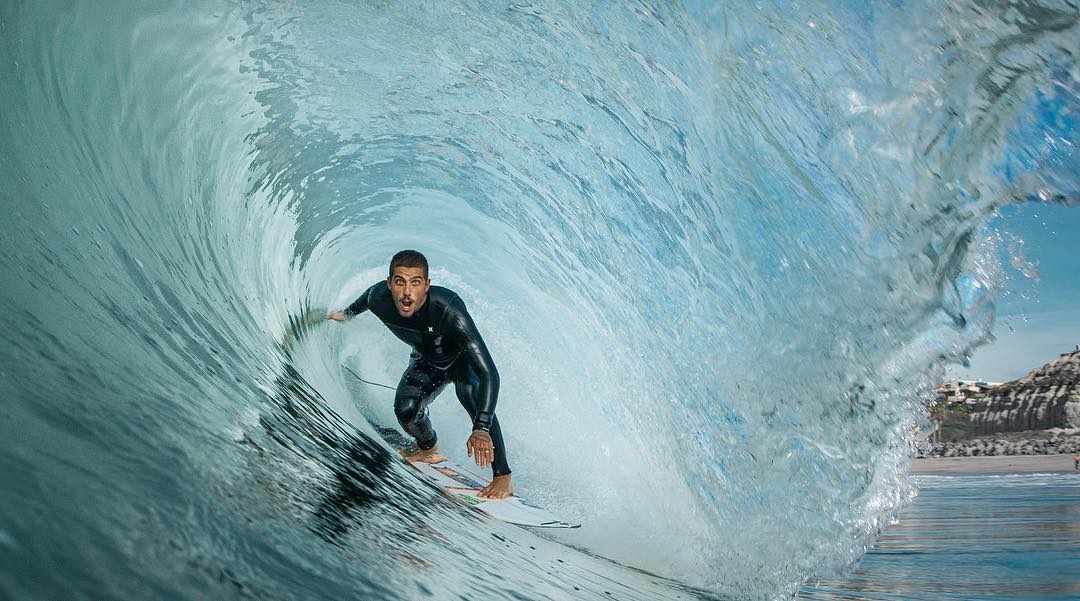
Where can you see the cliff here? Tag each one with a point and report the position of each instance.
(1048, 397)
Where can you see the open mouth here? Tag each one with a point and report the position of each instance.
(406, 304)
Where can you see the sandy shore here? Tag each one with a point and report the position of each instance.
(1001, 464)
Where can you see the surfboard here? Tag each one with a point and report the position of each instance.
(464, 484)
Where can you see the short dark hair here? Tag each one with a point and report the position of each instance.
(409, 258)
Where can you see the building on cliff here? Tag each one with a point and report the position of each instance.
(969, 392)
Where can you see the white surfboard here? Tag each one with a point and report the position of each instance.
(465, 484)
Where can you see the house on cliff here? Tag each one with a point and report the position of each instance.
(969, 392)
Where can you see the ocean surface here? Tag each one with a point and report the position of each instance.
(721, 254)
(991, 538)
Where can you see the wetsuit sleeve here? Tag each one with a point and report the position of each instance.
(359, 305)
(459, 324)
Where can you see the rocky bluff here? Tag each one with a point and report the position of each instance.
(1048, 397)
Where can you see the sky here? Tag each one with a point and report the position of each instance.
(1036, 318)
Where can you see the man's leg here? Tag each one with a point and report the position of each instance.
(466, 383)
(419, 385)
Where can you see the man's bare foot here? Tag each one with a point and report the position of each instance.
(500, 488)
(415, 453)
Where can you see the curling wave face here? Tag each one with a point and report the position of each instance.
(719, 256)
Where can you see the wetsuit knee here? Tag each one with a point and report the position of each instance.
(466, 386)
(466, 396)
(406, 409)
(419, 385)
(412, 415)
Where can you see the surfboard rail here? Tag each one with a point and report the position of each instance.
(464, 485)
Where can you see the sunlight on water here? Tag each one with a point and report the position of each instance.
(974, 538)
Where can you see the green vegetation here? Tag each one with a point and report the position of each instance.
(953, 420)
(940, 411)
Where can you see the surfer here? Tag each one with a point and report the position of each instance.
(446, 348)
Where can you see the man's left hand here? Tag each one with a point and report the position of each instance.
(481, 448)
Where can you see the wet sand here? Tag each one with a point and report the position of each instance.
(1001, 464)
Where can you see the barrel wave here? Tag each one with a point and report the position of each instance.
(719, 254)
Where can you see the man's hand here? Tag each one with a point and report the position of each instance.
(481, 448)
(337, 316)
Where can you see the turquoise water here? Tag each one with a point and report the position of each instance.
(721, 254)
(974, 538)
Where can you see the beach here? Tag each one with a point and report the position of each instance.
(999, 464)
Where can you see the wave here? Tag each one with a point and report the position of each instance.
(720, 256)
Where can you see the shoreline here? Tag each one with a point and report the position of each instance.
(993, 465)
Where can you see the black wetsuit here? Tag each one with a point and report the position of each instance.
(446, 348)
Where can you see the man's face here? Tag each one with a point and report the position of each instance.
(409, 288)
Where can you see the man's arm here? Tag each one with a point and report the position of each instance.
(481, 445)
(461, 325)
(357, 307)
(298, 326)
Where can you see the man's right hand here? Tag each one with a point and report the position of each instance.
(337, 316)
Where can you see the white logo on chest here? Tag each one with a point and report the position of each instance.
(430, 330)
